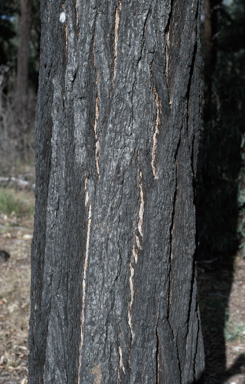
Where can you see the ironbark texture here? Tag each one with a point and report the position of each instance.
(113, 294)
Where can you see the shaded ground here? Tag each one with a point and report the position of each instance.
(221, 296)
(221, 286)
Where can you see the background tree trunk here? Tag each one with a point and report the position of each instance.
(23, 59)
(210, 35)
(113, 280)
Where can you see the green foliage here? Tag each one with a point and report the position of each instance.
(11, 204)
(233, 331)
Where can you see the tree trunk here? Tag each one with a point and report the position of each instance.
(23, 58)
(113, 280)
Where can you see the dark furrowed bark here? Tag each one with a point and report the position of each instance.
(113, 283)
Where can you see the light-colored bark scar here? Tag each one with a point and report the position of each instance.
(140, 221)
(131, 284)
(62, 17)
(117, 20)
(63, 21)
(141, 210)
(135, 254)
(97, 143)
(86, 192)
(156, 133)
(84, 285)
(76, 7)
(96, 371)
(121, 360)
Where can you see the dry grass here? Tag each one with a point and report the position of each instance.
(15, 238)
(16, 203)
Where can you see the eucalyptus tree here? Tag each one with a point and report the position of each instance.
(113, 293)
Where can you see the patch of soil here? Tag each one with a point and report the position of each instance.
(15, 238)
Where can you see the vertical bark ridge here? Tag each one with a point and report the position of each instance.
(84, 287)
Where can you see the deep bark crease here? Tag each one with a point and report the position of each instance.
(113, 284)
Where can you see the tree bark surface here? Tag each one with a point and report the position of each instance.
(113, 294)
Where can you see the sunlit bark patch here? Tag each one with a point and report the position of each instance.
(154, 149)
(96, 371)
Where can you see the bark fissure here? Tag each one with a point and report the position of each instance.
(167, 47)
(190, 299)
(97, 143)
(196, 374)
(84, 288)
(157, 358)
(171, 236)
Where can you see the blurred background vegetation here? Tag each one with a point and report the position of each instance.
(19, 66)
(220, 194)
(220, 181)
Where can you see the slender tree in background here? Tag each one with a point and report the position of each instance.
(23, 58)
(210, 34)
(113, 294)
(7, 31)
(219, 160)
